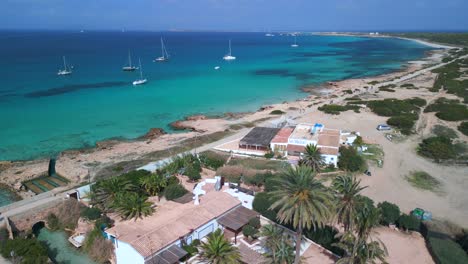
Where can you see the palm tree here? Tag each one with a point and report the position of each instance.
(284, 253)
(106, 191)
(218, 250)
(358, 251)
(312, 157)
(153, 184)
(302, 201)
(132, 206)
(273, 237)
(347, 191)
(367, 218)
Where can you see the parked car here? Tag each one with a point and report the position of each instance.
(383, 127)
(422, 214)
(368, 173)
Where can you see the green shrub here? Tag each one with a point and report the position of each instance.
(334, 109)
(463, 242)
(91, 213)
(174, 191)
(348, 91)
(257, 180)
(450, 110)
(53, 222)
(463, 127)
(212, 160)
(350, 160)
(403, 122)
(255, 222)
(409, 222)
(437, 148)
(390, 213)
(262, 203)
(443, 131)
(30, 250)
(249, 231)
(192, 172)
(325, 236)
(271, 184)
(269, 155)
(277, 112)
(447, 251)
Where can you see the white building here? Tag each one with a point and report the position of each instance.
(327, 141)
(159, 238)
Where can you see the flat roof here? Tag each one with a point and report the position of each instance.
(171, 221)
(259, 136)
(283, 135)
(329, 140)
(237, 218)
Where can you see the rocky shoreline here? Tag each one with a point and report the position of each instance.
(78, 165)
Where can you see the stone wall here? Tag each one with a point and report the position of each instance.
(25, 221)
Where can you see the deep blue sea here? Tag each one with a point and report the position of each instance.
(42, 113)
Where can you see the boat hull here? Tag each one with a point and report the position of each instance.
(140, 82)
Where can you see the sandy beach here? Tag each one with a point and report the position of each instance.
(387, 183)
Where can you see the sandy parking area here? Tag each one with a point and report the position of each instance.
(404, 248)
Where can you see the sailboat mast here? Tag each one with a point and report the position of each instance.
(162, 48)
(229, 47)
(64, 63)
(141, 72)
(129, 59)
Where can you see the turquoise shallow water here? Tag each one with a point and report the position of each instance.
(62, 251)
(42, 113)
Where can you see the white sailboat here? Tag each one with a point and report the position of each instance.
(164, 55)
(129, 67)
(66, 70)
(141, 80)
(295, 43)
(229, 56)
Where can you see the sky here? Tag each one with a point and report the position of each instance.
(237, 15)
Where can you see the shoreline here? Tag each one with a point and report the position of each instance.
(79, 164)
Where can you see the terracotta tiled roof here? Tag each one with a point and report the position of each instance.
(297, 148)
(171, 221)
(283, 135)
(328, 151)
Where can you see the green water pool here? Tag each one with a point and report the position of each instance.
(62, 252)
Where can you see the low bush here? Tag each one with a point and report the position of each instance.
(212, 160)
(174, 191)
(192, 172)
(463, 242)
(394, 107)
(325, 236)
(463, 127)
(30, 250)
(450, 110)
(403, 122)
(262, 203)
(91, 213)
(334, 109)
(269, 155)
(446, 251)
(249, 231)
(233, 173)
(443, 131)
(437, 148)
(255, 222)
(409, 222)
(350, 160)
(277, 112)
(258, 179)
(53, 222)
(390, 213)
